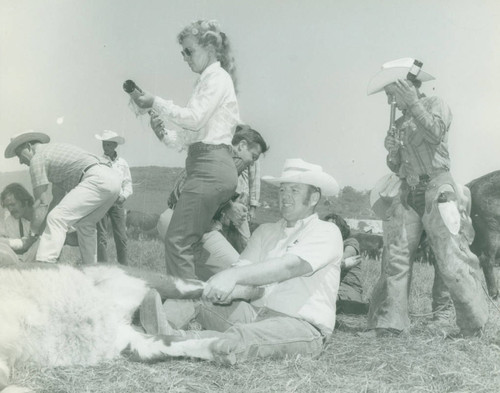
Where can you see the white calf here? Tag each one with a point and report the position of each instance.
(65, 316)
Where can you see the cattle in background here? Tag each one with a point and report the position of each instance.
(485, 215)
(365, 225)
(424, 251)
(141, 225)
(370, 244)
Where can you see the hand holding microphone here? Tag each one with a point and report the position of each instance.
(141, 98)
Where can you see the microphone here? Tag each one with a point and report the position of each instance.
(132, 89)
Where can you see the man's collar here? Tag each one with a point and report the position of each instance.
(115, 156)
(302, 222)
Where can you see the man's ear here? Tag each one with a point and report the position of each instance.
(314, 199)
(243, 143)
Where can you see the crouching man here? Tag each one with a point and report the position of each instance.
(295, 262)
(17, 226)
(83, 189)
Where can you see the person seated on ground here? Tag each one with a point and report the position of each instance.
(296, 263)
(17, 224)
(350, 296)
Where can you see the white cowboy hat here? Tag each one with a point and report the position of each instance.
(19, 139)
(296, 170)
(110, 136)
(394, 70)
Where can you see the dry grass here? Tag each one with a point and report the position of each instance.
(422, 361)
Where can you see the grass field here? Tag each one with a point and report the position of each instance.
(422, 361)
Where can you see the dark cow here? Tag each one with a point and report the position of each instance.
(370, 244)
(141, 225)
(485, 215)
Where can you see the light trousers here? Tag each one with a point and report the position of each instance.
(82, 207)
(116, 215)
(250, 332)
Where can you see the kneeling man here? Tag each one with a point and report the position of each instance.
(295, 262)
(17, 226)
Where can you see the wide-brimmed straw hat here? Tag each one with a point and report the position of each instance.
(19, 139)
(110, 136)
(392, 71)
(297, 170)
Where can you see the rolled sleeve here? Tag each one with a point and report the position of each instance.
(319, 248)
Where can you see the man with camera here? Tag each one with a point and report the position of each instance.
(427, 199)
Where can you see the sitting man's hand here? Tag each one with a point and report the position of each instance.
(237, 213)
(219, 288)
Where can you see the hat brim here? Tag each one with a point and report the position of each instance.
(390, 75)
(327, 184)
(10, 150)
(118, 139)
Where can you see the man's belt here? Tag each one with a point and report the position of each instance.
(414, 180)
(87, 168)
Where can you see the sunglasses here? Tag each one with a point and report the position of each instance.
(187, 52)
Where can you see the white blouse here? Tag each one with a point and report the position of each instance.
(212, 112)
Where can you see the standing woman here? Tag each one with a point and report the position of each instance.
(209, 120)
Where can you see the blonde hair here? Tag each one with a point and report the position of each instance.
(207, 32)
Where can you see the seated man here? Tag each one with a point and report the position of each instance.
(295, 262)
(350, 297)
(17, 226)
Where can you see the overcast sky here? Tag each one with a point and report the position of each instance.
(303, 68)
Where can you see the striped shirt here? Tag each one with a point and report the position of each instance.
(424, 130)
(60, 164)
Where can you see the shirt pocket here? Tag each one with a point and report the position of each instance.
(415, 138)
